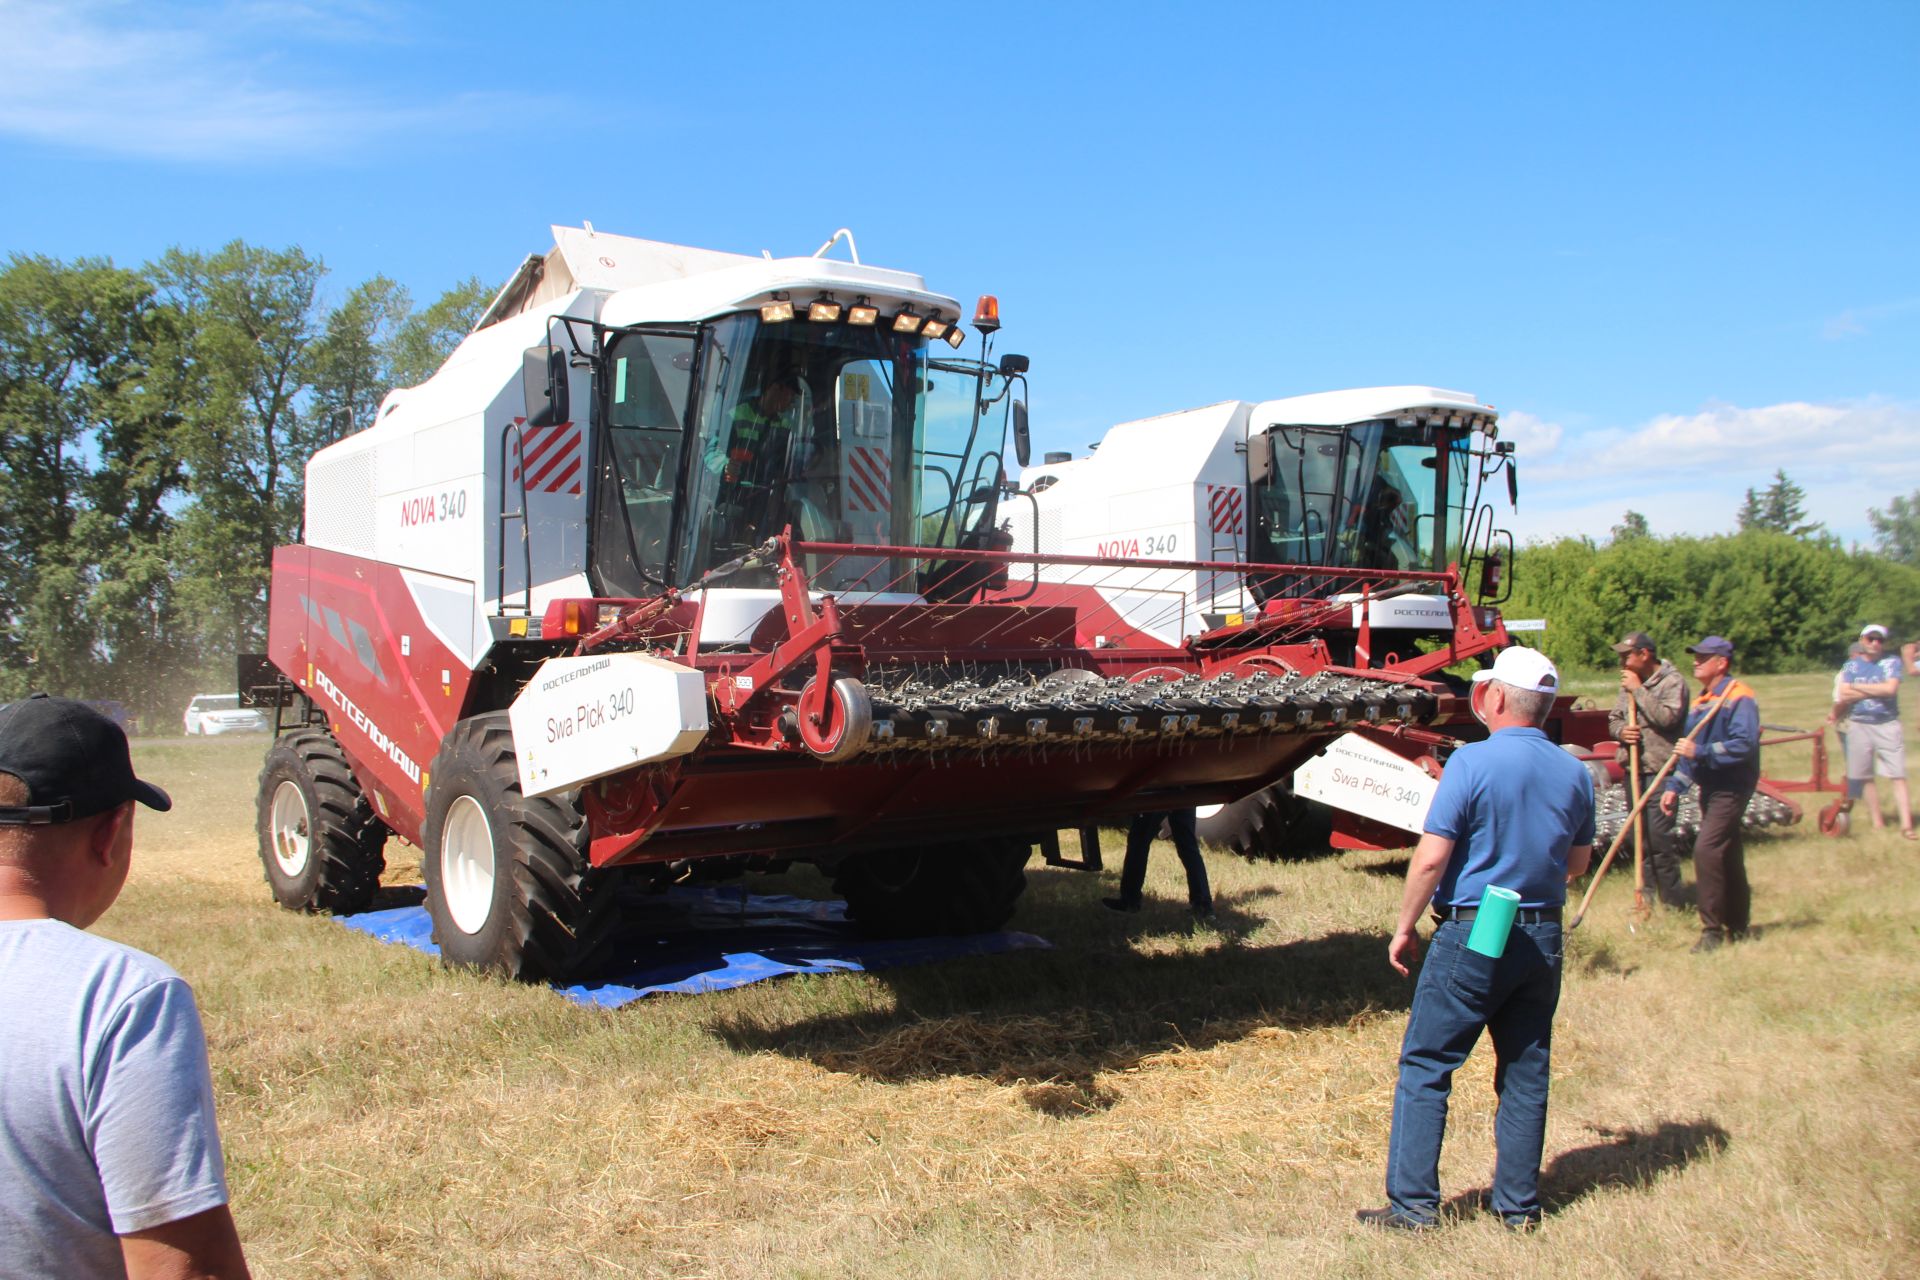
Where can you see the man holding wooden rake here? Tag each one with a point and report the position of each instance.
(1721, 753)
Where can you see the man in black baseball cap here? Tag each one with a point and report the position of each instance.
(110, 1158)
(73, 761)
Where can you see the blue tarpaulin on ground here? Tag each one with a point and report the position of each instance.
(706, 938)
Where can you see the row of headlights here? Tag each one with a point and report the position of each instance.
(1487, 424)
(862, 313)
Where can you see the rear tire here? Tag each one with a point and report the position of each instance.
(935, 889)
(509, 887)
(321, 843)
(1273, 823)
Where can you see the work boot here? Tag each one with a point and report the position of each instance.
(1121, 905)
(1710, 940)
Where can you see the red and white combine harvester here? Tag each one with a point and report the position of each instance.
(1386, 488)
(691, 562)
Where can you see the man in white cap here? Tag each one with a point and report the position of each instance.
(1514, 812)
(1870, 694)
(109, 1157)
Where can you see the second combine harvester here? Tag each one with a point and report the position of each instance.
(693, 562)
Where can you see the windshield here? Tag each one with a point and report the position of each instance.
(843, 433)
(1372, 495)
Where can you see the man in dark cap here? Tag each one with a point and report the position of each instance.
(1725, 761)
(110, 1159)
(1658, 694)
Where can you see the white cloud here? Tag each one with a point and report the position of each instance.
(205, 82)
(1533, 437)
(1856, 321)
(1688, 473)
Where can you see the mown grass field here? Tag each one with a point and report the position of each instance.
(1146, 1098)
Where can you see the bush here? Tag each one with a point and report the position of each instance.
(1788, 604)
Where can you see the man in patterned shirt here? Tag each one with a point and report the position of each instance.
(1870, 690)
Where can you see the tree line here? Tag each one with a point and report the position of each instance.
(1788, 593)
(155, 425)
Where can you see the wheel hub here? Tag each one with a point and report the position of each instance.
(467, 865)
(290, 832)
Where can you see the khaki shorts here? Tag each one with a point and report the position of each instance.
(1876, 748)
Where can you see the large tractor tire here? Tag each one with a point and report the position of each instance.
(934, 889)
(509, 887)
(322, 844)
(1272, 823)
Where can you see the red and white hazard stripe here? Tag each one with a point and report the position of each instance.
(869, 479)
(551, 458)
(1226, 508)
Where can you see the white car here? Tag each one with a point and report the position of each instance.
(211, 713)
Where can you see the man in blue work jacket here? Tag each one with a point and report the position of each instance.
(1514, 811)
(1725, 761)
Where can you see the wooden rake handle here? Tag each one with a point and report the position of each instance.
(1653, 789)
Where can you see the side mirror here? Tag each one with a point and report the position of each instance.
(543, 385)
(1513, 485)
(1259, 458)
(1022, 441)
(1012, 364)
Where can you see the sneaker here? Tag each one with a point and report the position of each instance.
(1710, 940)
(1520, 1222)
(1391, 1219)
(1120, 905)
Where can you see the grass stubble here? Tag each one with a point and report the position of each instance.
(1147, 1097)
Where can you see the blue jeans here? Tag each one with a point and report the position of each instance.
(1186, 843)
(1460, 992)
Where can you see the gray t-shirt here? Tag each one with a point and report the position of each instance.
(106, 1104)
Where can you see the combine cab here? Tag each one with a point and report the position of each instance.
(691, 563)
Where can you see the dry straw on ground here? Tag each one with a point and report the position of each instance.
(1146, 1098)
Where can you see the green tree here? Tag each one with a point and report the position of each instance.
(1788, 603)
(1896, 531)
(253, 314)
(1780, 508)
(350, 365)
(90, 396)
(1632, 525)
(424, 341)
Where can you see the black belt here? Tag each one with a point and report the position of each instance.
(1525, 915)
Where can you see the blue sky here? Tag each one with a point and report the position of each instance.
(1675, 244)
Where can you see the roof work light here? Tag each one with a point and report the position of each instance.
(777, 311)
(823, 309)
(863, 312)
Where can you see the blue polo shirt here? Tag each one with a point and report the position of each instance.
(1512, 805)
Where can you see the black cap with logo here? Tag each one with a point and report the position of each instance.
(73, 759)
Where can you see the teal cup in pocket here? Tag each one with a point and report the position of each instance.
(1494, 922)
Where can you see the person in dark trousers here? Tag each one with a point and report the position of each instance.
(1514, 811)
(1725, 762)
(1186, 843)
(1658, 693)
(110, 1159)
